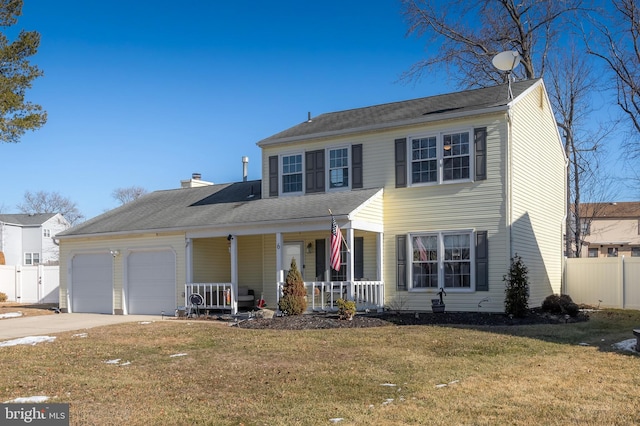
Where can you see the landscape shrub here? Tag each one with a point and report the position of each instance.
(294, 295)
(560, 304)
(2, 260)
(346, 309)
(3, 297)
(516, 301)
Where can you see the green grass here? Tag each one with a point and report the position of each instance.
(517, 375)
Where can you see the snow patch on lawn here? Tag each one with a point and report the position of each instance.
(626, 345)
(11, 315)
(29, 340)
(28, 400)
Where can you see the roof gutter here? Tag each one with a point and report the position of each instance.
(224, 228)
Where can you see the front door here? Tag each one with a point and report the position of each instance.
(293, 251)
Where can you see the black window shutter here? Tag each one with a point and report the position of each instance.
(273, 176)
(401, 162)
(358, 258)
(356, 166)
(482, 261)
(321, 266)
(314, 171)
(401, 253)
(480, 140)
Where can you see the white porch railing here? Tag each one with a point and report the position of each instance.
(322, 295)
(214, 296)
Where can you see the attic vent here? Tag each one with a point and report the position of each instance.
(440, 111)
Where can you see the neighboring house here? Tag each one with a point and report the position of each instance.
(28, 239)
(430, 193)
(610, 229)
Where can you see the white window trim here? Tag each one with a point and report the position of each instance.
(440, 157)
(327, 178)
(31, 258)
(281, 174)
(440, 235)
(46, 232)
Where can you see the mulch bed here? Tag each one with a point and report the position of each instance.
(328, 320)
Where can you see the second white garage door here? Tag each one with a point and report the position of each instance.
(151, 282)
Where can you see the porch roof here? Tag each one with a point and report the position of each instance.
(223, 205)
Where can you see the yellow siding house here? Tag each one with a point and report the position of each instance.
(432, 196)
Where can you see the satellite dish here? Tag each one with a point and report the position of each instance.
(506, 61)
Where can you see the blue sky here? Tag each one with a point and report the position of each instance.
(147, 92)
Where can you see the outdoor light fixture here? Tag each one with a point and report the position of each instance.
(229, 237)
(115, 253)
(309, 247)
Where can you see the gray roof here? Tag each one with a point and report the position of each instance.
(231, 204)
(25, 219)
(401, 113)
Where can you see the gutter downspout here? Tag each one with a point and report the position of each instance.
(509, 179)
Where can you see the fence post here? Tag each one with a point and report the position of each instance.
(622, 283)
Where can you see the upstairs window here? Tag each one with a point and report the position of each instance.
(445, 157)
(455, 165)
(291, 173)
(424, 160)
(338, 168)
(46, 233)
(32, 258)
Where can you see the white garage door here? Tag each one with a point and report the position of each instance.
(92, 283)
(151, 282)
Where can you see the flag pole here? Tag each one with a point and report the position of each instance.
(342, 236)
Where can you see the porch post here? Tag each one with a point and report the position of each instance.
(350, 261)
(380, 269)
(379, 256)
(189, 259)
(233, 248)
(279, 275)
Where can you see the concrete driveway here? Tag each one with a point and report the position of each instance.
(13, 328)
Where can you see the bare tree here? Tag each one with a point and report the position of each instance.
(617, 44)
(470, 34)
(125, 195)
(50, 202)
(571, 83)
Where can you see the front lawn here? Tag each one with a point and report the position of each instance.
(180, 372)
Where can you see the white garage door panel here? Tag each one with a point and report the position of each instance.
(151, 280)
(92, 283)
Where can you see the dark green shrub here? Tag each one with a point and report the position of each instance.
(516, 301)
(294, 295)
(560, 304)
(3, 297)
(346, 309)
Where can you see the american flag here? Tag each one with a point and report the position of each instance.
(336, 243)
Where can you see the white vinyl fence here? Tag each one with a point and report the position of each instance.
(608, 282)
(30, 284)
